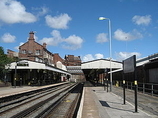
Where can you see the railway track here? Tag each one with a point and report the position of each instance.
(68, 107)
(36, 105)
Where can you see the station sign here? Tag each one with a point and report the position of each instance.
(129, 64)
(22, 64)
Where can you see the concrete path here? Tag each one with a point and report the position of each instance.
(98, 103)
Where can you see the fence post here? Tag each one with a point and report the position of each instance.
(143, 88)
(131, 86)
(124, 95)
(152, 89)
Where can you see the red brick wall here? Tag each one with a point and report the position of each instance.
(57, 58)
(72, 60)
(31, 47)
(10, 53)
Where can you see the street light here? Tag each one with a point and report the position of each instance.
(103, 18)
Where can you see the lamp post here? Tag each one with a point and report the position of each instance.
(103, 18)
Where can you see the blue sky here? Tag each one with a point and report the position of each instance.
(71, 27)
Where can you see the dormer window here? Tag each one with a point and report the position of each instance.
(37, 52)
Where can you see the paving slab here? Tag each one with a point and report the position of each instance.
(114, 107)
(8, 91)
(98, 103)
(90, 109)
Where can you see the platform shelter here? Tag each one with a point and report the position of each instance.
(97, 70)
(35, 73)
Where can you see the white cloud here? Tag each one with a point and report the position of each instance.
(90, 57)
(124, 55)
(17, 47)
(43, 11)
(8, 38)
(21, 43)
(99, 56)
(48, 41)
(101, 38)
(36, 38)
(142, 20)
(54, 40)
(123, 36)
(13, 11)
(58, 22)
(73, 42)
(56, 34)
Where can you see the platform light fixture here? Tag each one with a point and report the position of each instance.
(103, 18)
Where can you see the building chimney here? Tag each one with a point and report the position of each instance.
(31, 37)
(44, 45)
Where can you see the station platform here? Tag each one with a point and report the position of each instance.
(98, 103)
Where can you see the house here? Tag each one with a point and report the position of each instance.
(33, 51)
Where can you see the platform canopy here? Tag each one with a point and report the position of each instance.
(101, 64)
(25, 64)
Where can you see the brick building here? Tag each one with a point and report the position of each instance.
(33, 51)
(36, 65)
(73, 64)
(55, 65)
(12, 54)
(71, 60)
(57, 58)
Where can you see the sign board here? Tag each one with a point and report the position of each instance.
(129, 64)
(22, 64)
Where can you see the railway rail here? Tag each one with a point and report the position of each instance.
(68, 107)
(37, 104)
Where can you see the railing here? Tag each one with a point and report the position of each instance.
(146, 88)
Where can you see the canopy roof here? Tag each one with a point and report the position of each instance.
(101, 64)
(25, 64)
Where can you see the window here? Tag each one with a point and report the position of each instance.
(37, 59)
(37, 52)
(23, 51)
(30, 52)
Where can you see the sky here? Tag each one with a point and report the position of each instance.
(72, 27)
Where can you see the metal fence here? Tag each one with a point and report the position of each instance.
(146, 88)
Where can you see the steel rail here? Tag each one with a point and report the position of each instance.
(33, 108)
(72, 106)
(27, 100)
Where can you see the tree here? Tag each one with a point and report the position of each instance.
(4, 60)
